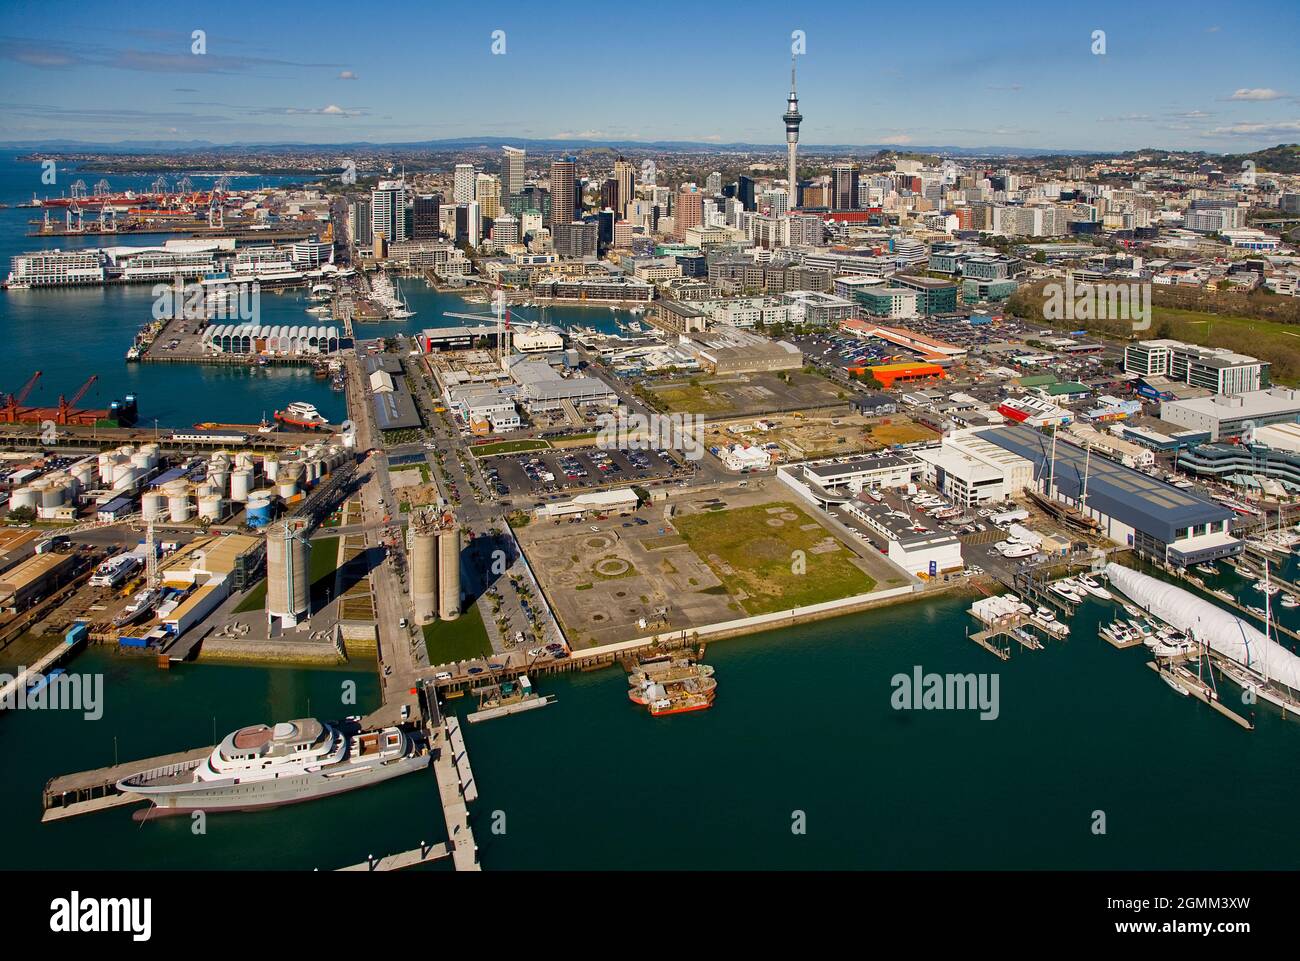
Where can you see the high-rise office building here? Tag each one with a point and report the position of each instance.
(512, 171)
(626, 177)
(462, 191)
(609, 194)
(777, 201)
(359, 226)
(689, 211)
(575, 239)
(713, 184)
(564, 184)
(388, 211)
(425, 211)
(745, 191)
(487, 192)
(844, 186)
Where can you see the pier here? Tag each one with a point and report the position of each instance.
(1178, 675)
(90, 791)
(464, 852)
(424, 854)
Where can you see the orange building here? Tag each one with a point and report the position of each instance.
(890, 375)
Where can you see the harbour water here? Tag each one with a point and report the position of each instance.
(803, 723)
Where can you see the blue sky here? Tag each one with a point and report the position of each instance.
(1196, 75)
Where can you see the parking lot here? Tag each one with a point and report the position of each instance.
(564, 471)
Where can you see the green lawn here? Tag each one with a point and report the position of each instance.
(457, 640)
(762, 558)
(322, 564)
(509, 447)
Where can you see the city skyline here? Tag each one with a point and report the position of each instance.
(1198, 81)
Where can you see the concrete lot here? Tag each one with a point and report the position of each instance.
(634, 576)
(513, 476)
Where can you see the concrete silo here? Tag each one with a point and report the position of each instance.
(288, 574)
(424, 567)
(449, 568)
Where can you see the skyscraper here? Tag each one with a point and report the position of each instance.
(689, 209)
(487, 191)
(425, 217)
(844, 186)
(388, 210)
(792, 118)
(462, 191)
(626, 178)
(512, 171)
(564, 183)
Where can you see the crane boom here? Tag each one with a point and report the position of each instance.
(21, 396)
(82, 392)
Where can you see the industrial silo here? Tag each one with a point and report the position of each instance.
(287, 574)
(449, 569)
(424, 568)
(244, 460)
(259, 510)
(52, 495)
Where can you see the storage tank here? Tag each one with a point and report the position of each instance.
(142, 461)
(153, 452)
(25, 497)
(84, 473)
(449, 572)
(152, 505)
(241, 484)
(105, 464)
(259, 511)
(178, 500)
(244, 460)
(290, 475)
(424, 568)
(210, 506)
(287, 574)
(52, 494)
(271, 467)
(124, 472)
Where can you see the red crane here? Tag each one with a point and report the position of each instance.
(68, 407)
(9, 412)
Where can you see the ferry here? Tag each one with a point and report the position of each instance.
(263, 766)
(301, 414)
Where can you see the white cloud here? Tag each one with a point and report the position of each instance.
(1256, 93)
(1279, 128)
(347, 75)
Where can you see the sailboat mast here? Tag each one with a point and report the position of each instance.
(1051, 471)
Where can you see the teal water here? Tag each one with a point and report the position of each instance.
(148, 712)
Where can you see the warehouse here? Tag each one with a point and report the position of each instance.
(1156, 519)
(862, 473)
(34, 579)
(914, 544)
(1224, 417)
(969, 470)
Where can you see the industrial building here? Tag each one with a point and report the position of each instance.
(1215, 369)
(278, 340)
(843, 477)
(915, 545)
(35, 578)
(622, 500)
(970, 470)
(1156, 519)
(731, 351)
(1223, 416)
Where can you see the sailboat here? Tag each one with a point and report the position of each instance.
(403, 309)
(1257, 682)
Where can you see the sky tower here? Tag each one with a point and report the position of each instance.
(792, 118)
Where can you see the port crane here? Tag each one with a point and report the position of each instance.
(67, 408)
(9, 412)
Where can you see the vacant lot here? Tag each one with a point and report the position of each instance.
(774, 556)
(900, 430)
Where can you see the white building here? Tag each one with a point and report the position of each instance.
(970, 471)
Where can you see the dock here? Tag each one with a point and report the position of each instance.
(72, 794)
(1012, 628)
(464, 852)
(505, 709)
(424, 854)
(10, 690)
(1187, 682)
(460, 757)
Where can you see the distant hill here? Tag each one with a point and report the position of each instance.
(1282, 159)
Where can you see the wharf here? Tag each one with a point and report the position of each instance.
(1188, 683)
(505, 709)
(1012, 627)
(46, 661)
(71, 794)
(424, 854)
(455, 812)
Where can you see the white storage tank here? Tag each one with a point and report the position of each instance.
(271, 467)
(289, 479)
(52, 494)
(25, 497)
(244, 460)
(105, 464)
(241, 484)
(84, 473)
(178, 500)
(210, 506)
(124, 472)
(152, 505)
